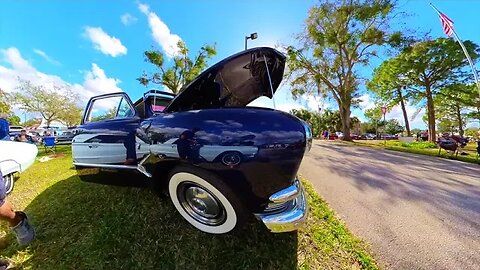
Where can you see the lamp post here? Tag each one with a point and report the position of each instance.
(252, 37)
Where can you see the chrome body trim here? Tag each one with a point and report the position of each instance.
(286, 194)
(140, 168)
(290, 217)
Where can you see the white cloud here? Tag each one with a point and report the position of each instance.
(103, 42)
(160, 31)
(21, 68)
(46, 57)
(128, 19)
(95, 81)
(13, 57)
(366, 102)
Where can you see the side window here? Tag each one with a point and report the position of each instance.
(109, 108)
(124, 109)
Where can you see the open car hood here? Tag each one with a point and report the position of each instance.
(233, 82)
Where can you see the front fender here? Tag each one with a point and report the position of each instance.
(272, 144)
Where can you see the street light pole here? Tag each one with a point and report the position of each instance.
(252, 37)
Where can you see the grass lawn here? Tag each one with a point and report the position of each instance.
(90, 226)
(395, 145)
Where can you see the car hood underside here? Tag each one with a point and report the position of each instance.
(234, 81)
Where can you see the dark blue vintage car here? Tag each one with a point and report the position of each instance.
(218, 160)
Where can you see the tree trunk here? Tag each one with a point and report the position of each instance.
(460, 120)
(430, 113)
(404, 110)
(345, 117)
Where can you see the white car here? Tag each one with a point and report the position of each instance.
(100, 149)
(15, 157)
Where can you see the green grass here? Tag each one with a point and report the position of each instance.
(424, 148)
(90, 226)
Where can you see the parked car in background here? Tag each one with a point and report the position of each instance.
(250, 155)
(368, 136)
(14, 131)
(388, 137)
(64, 136)
(354, 136)
(332, 136)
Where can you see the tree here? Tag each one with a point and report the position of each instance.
(71, 117)
(52, 103)
(328, 120)
(368, 127)
(374, 116)
(431, 65)
(4, 104)
(389, 86)
(183, 70)
(332, 120)
(104, 115)
(6, 110)
(474, 132)
(339, 36)
(312, 118)
(31, 122)
(393, 127)
(416, 130)
(14, 120)
(450, 103)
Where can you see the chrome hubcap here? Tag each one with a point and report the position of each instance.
(200, 204)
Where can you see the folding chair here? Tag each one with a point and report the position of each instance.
(49, 144)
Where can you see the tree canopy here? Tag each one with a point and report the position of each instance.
(389, 86)
(339, 36)
(52, 103)
(182, 68)
(4, 104)
(431, 65)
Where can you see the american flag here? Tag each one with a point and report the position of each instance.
(447, 24)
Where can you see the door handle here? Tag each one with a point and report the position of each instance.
(92, 146)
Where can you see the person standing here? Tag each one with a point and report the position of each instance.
(17, 220)
(4, 129)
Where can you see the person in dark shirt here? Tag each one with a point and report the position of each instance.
(4, 129)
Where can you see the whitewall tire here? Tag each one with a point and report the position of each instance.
(205, 201)
(9, 180)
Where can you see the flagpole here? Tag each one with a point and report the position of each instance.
(474, 71)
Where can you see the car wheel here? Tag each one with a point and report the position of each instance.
(231, 158)
(205, 201)
(9, 182)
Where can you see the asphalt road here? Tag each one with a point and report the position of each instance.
(416, 212)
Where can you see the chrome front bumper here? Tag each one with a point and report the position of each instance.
(292, 209)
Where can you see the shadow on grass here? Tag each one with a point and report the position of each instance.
(89, 226)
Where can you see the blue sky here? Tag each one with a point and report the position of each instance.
(97, 47)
